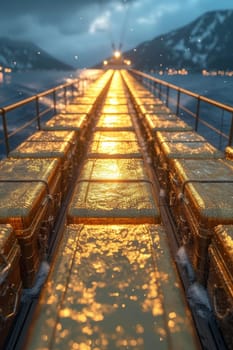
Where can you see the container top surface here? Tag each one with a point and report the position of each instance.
(172, 123)
(122, 169)
(192, 149)
(159, 109)
(113, 199)
(27, 168)
(66, 122)
(119, 109)
(116, 101)
(113, 290)
(83, 100)
(116, 136)
(179, 136)
(43, 149)
(115, 148)
(57, 135)
(150, 109)
(76, 109)
(148, 101)
(111, 121)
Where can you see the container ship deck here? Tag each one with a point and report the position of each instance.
(116, 222)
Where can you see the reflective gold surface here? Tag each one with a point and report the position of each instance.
(167, 123)
(66, 122)
(114, 121)
(223, 242)
(113, 287)
(179, 136)
(112, 148)
(77, 108)
(190, 150)
(69, 136)
(115, 136)
(229, 152)
(86, 100)
(118, 169)
(41, 149)
(119, 109)
(113, 202)
(148, 101)
(115, 100)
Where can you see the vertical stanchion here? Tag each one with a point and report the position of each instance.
(54, 102)
(5, 131)
(38, 113)
(65, 95)
(230, 141)
(167, 101)
(197, 113)
(178, 103)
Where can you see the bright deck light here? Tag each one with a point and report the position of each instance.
(117, 54)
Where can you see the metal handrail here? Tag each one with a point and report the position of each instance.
(38, 114)
(151, 81)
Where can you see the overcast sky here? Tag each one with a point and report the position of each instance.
(82, 32)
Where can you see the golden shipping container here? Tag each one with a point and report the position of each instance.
(30, 192)
(200, 197)
(113, 202)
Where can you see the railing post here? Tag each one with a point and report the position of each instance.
(65, 95)
(5, 131)
(72, 91)
(178, 103)
(197, 113)
(54, 102)
(230, 141)
(38, 112)
(167, 102)
(160, 91)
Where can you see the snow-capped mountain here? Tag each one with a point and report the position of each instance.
(206, 43)
(23, 55)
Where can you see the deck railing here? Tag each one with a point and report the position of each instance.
(21, 118)
(212, 119)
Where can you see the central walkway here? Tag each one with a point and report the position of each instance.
(113, 283)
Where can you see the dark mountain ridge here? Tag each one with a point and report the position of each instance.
(24, 55)
(205, 43)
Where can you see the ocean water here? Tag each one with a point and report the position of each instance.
(20, 85)
(219, 88)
